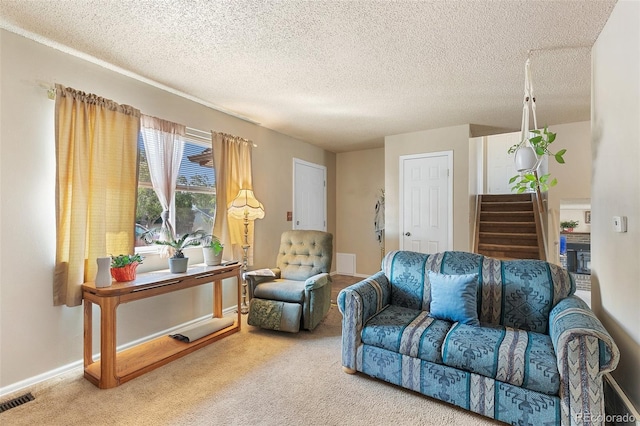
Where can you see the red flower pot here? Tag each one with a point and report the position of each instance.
(126, 273)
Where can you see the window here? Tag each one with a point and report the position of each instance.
(195, 192)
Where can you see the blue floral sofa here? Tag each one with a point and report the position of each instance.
(533, 354)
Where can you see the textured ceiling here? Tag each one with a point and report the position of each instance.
(340, 74)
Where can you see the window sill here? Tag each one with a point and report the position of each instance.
(154, 262)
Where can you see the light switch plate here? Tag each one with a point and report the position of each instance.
(620, 223)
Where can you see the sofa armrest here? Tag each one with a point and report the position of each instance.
(254, 280)
(585, 351)
(358, 303)
(371, 295)
(570, 319)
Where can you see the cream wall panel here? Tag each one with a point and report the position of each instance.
(361, 177)
(615, 141)
(476, 180)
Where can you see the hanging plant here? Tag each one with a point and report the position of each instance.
(530, 151)
(528, 179)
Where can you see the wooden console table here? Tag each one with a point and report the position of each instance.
(114, 368)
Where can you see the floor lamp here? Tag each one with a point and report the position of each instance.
(246, 207)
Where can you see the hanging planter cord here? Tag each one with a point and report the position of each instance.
(528, 108)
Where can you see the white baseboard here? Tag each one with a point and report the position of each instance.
(23, 385)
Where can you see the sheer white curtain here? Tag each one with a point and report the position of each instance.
(163, 145)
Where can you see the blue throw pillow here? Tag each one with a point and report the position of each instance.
(454, 297)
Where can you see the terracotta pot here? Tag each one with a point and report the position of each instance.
(126, 273)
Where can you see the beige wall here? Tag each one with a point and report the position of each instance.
(361, 177)
(615, 189)
(455, 139)
(476, 180)
(574, 177)
(273, 185)
(29, 325)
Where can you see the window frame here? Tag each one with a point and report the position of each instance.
(195, 137)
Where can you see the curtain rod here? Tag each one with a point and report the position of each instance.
(190, 131)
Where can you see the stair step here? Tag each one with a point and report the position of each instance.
(524, 235)
(505, 247)
(501, 255)
(509, 238)
(494, 206)
(507, 216)
(508, 227)
(508, 251)
(506, 197)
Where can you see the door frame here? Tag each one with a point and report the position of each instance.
(296, 162)
(402, 159)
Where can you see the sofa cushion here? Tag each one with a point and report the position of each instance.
(454, 297)
(407, 331)
(284, 290)
(518, 357)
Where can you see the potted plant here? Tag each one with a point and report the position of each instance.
(123, 266)
(568, 225)
(178, 263)
(528, 159)
(212, 250)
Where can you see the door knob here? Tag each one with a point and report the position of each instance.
(408, 234)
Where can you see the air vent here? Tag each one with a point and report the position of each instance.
(15, 402)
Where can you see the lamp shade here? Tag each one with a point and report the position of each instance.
(246, 204)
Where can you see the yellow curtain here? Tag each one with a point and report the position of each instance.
(232, 160)
(96, 186)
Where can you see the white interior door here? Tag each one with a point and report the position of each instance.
(309, 196)
(426, 200)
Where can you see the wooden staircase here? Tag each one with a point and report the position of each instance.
(508, 227)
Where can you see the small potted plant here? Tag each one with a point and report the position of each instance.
(178, 263)
(123, 266)
(568, 225)
(212, 250)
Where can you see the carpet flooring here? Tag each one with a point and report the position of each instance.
(255, 377)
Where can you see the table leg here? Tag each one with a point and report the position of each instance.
(88, 333)
(108, 377)
(239, 286)
(217, 299)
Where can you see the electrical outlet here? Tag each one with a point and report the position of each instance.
(620, 223)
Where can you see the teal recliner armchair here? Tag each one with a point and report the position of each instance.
(299, 292)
